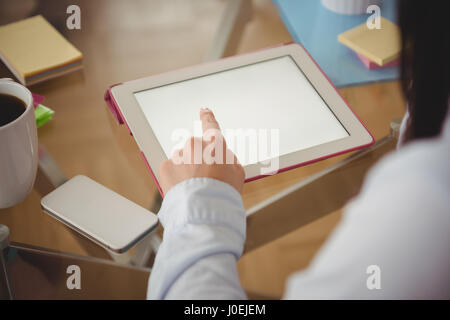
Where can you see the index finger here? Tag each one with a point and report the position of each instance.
(208, 120)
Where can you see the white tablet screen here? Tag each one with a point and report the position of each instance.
(263, 98)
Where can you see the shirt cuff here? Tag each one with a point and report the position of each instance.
(201, 217)
(203, 201)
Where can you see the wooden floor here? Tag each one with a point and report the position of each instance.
(124, 40)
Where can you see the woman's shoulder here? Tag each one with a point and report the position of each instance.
(408, 188)
(418, 163)
(415, 178)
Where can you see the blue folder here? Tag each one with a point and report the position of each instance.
(317, 29)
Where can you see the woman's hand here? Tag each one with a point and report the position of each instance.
(203, 157)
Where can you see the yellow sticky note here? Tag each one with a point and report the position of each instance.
(379, 45)
(34, 49)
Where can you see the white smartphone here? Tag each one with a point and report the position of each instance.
(99, 213)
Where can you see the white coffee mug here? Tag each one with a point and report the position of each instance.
(18, 148)
(350, 7)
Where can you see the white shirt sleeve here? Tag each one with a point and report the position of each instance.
(204, 233)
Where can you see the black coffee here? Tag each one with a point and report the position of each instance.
(10, 108)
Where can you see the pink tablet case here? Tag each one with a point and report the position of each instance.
(114, 108)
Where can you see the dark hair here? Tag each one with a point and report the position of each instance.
(425, 65)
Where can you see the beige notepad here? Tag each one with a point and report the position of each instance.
(379, 45)
(35, 51)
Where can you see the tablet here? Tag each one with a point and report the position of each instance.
(276, 108)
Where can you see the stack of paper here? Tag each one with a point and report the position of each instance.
(35, 51)
(375, 47)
